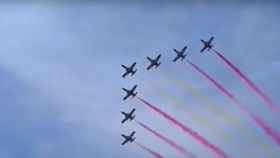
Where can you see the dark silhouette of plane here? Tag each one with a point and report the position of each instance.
(180, 54)
(128, 116)
(154, 62)
(130, 92)
(207, 44)
(128, 138)
(129, 70)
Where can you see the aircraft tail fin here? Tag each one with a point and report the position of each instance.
(133, 72)
(133, 117)
(133, 139)
(158, 64)
(134, 95)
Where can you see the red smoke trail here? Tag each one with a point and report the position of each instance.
(155, 154)
(216, 150)
(250, 84)
(268, 130)
(168, 141)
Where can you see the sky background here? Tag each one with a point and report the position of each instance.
(60, 76)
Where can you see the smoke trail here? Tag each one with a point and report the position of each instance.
(228, 116)
(268, 130)
(168, 141)
(200, 120)
(153, 153)
(250, 84)
(216, 150)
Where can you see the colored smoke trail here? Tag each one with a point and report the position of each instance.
(171, 143)
(228, 116)
(268, 130)
(219, 86)
(199, 119)
(216, 150)
(153, 153)
(249, 84)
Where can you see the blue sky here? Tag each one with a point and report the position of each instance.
(60, 75)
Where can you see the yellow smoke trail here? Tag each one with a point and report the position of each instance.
(203, 121)
(214, 108)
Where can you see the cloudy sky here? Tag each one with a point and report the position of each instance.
(60, 76)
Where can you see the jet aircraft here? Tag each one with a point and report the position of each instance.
(128, 138)
(129, 70)
(180, 54)
(128, 116)
(207, 44)
(154, 62)
(130, 92)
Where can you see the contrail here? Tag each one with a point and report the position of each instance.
(216, 150)
(153, 153)
(268, 130)
(271, 105)
(171, 143)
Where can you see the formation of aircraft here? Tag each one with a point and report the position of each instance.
(154, 62)
(128, 116)
(129, 70)
(130, 92)
(128, 138)
(207, 44)
(180, 54)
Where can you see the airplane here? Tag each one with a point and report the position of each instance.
(154, 62)
(129, 70)
(207, 44)
(128, 116)
(130, 92)
(180, 54)
(128, 138)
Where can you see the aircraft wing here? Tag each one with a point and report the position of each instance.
(158, 57)
(184, 49)
(211, 39)
(124, 98)
(125, 119)
(149, 59)
(150, 66)
(132, 134)
(175, 59)
(132, 111)
(133, 64)
(124, 142)
(125, 74)
(134, 87)
(126, 139)
(203, 49)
